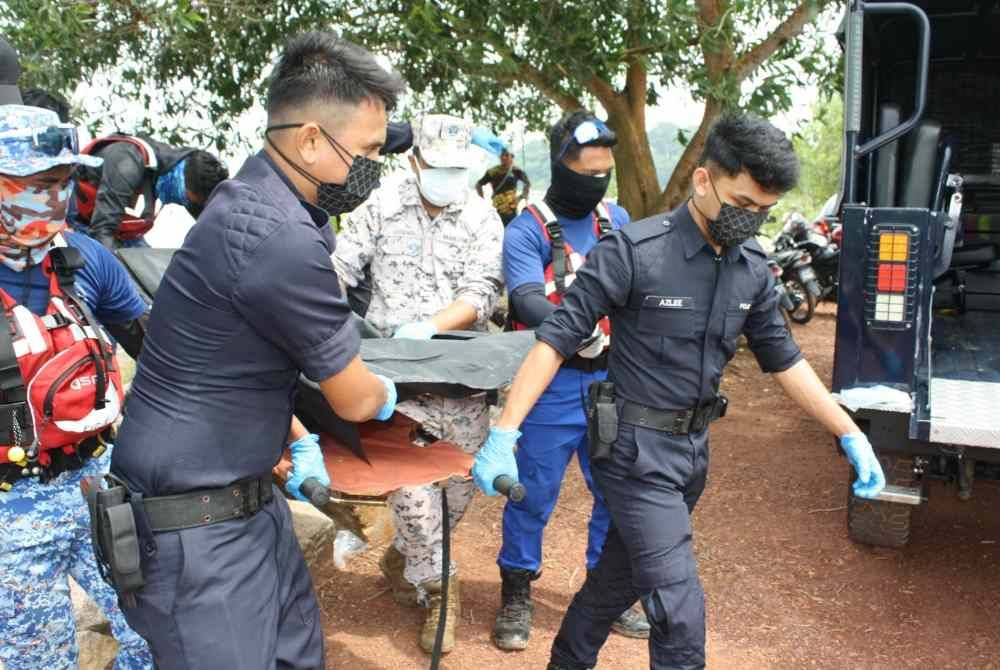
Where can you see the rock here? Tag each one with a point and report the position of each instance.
(93, 632)
(314, 531)
(97, 651)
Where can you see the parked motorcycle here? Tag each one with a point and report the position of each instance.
(800, 282)
(786, 301)
(822, 241)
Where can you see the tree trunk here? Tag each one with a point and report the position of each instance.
(638, 187)
(680, 181)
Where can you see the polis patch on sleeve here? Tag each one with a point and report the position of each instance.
(667, 302)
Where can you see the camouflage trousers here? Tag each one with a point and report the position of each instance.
(45, 537)
(416, 510)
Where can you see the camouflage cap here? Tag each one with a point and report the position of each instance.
(444, 141)
(32, 140)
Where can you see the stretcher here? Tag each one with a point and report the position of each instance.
(366, 462)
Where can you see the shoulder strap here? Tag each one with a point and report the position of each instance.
(66, 261)
(148, 155)
(603, 215)
(553, 233)
(12, 387)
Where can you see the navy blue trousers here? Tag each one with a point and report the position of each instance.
(650, 485)
(235, 594)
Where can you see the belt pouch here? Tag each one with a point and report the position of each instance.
(602, 420)
(118, 539)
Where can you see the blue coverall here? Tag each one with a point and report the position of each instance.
(556, 428)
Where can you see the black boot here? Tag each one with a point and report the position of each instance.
(513, 625)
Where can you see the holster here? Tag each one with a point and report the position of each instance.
(114, 532)
(602, 420)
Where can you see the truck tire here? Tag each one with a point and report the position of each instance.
(878, 523)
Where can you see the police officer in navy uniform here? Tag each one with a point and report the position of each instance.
(248, 302)
(679, 289)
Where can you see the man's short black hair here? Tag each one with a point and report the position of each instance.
(36, 97)
(318, 66)
(562, 131)
(203, 172)
(739, 142)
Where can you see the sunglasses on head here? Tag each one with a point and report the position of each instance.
(589, 132)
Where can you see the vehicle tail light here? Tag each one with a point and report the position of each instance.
(893, 255)
(837, 235)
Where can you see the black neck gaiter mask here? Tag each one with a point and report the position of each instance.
(575, 195)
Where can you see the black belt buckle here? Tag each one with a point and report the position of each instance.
(682, 423)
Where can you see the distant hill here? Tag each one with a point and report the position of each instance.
(533, 158)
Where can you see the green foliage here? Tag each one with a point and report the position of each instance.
(193, 64)
(818, 144)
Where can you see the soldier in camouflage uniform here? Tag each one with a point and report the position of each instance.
(434, 252)
(44, 522)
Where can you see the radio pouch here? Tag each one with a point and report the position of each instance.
(602, 420)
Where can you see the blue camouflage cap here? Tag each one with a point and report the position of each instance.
(32, 140)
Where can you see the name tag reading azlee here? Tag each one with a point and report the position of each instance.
(667, 302)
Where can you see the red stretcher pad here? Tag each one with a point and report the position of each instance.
(395, 458)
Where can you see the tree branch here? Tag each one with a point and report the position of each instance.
(566, 101)
(791, 27)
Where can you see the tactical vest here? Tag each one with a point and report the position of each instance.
(59, 383)
(561, 271)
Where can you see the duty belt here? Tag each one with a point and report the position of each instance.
(239, 500)
(673, 422)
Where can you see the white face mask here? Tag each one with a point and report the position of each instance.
(443, 186)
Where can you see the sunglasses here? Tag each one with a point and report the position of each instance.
(50, 141)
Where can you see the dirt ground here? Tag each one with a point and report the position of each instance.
(786, 588)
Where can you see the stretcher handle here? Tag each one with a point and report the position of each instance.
(506, 485)
(317, 494)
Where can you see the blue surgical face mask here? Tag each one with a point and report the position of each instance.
(170, 186)
(443, 186)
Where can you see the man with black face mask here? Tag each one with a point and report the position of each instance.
(248, 302)
(679, 290)
(543, 248)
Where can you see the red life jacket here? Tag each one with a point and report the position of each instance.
(131, 227)
(561, 271)
(59, 381)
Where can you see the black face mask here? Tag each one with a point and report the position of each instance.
(733, 225)
(362, 177)
(575, 195)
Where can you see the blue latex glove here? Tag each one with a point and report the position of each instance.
(484, 137)
(416, 330)
(307, 461)
(389, 407)
(495, 458)
(871, 479)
